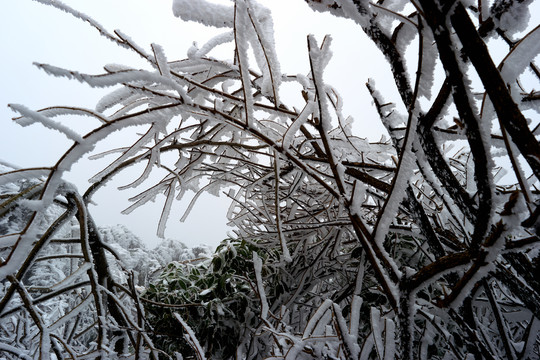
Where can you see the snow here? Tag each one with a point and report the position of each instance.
(523, 53)
(76, 275)
(515, 17)
(389, 339)
(204, 12)
(191, 337)
(166, 208)
(14, 350)
(30, 117)
(241, 31)
(263, 45)
(161, 60)
(115, 78)
(257, 264)
(317, 320)
(23, 174)
(210, 45)
(377, 331)
(349, 338)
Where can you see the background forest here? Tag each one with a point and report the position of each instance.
(422, 245)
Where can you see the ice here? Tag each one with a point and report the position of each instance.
(64, 110)
(528, 352)
(70, 316)
(282, 239)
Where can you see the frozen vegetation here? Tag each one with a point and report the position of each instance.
(418, 246)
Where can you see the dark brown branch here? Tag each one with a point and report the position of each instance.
(505, 107)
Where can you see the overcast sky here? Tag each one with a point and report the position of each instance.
(32, 32)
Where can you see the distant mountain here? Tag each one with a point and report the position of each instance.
(146, 263)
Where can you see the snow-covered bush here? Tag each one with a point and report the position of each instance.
(216, 297)
(405, 248)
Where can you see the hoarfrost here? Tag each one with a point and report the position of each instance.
(204, 12)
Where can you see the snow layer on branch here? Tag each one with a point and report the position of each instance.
(21, 354)
(161, 60)
(521, 56)
(21, 251)
(429, 61)
(170, 192)
(31, 117)
(224, 38)
(326, 6)
(319, 58)
(141, 142)
(257, 264)
(190, 337)
(297, 123)
(10, 177)
(118, 96)
(107, 80)
(319, 319)
(511, 16)
(377, 331)
(79, 15)
(204, 12)
(360, 12)
(263, 44)
(241, 31)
